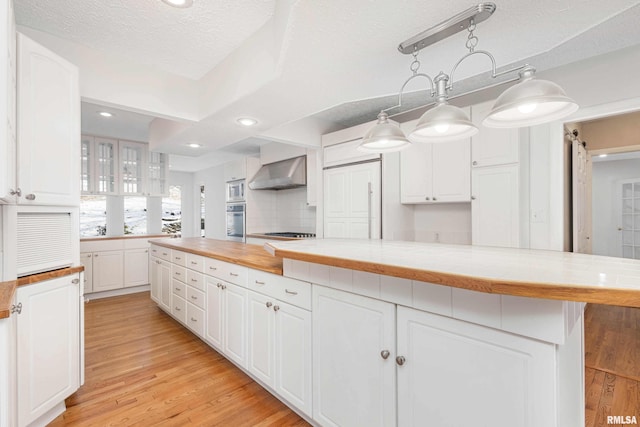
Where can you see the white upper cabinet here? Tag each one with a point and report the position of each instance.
(435, 172)
(99, 165)
(7, 104)
(157, 171)
(132, 167)
(234, 170)
(48, 127)
(492, 146)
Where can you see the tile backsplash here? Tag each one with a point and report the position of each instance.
(284, 210)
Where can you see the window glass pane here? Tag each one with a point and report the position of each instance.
(172, 211)
(202, 211)
(93, 216)
(135, 215)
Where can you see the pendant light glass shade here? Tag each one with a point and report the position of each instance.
(384, 137)
(443, 123)
(530, 102)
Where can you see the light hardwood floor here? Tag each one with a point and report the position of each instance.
(612, 359)
(144, 369)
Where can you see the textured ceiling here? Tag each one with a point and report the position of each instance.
(187, 42)
(331, 60)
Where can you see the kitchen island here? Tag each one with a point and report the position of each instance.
(350, 332)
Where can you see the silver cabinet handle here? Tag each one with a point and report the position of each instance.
(95, 255)
(194, 263)
(259, 283)
(193, 297)
(16, 309)
(385, 354)
(177, 309)
(291, 292)
(269, 304)
(223, 287)
(146, 252)
(400, 360)
(158, 262)
(75, 281)
(177, 289)
(219, 285)
(233, 274)
(434, 199)
(16, 192)
(213, 268)
(473, 197)
(276, 307)
(193, 319)
(427, 198)
(177, 273)
(194, 280)
(154, 250)
(89, 256)
(177, 257)
(164, 253)
(474, 163)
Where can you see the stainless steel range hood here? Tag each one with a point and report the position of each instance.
(290, 173)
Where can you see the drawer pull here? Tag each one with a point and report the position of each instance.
(177, 289)
(276, 307)
(177, 273)
(164, 253)
(213, 268)
(194, 263)
(233, 274)
(193, 297)
(291, 292)
(177, 309)
(193, 319)
(269, 304)
(259, 282)
(194, 280)
(178, 258)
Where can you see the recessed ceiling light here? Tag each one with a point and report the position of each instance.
(179, 3)
(194, 145)
(247, 121)
(105, 114)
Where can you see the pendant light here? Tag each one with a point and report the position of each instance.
(528, 103)
(384, 137)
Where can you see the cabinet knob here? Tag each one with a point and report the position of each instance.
(434, 199)
(427, 198)
(474, 163)
(269, 304)
(75, 281)
(473, 197)
(219, 285)
(385, 354)
(400, 360)
(276, 307)
(16, 192)
(16, 309)
(30, 196)
(223, 287)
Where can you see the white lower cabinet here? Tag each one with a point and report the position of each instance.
(353, 383)
(136, 272)
(86, 258)
(226, 319)
(160, 272)
(108, 268)
(366, 366)
(280, 348)
(48, 347)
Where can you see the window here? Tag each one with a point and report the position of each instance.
(202, 211)
(172, 211)
(135, 215)
(93, 216)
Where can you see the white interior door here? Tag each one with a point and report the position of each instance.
(581, 188)
(352, 201)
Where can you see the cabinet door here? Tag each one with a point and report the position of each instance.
(86, 258)
(312, 176)
(105, 166)
(48, 346)
(452, 171)
(293, 355)
(416, 175)
(495, 212)
(108, 270)
(154, 279)
(136, 267)
(8, 101)
(87, 173)
(164, 274)
(235, 324)
(215, 312)
(132, 164)
(504, 380)
(353, 385)
(261, 335)
(352, 203)
(492, 146)
(235, 169)
(157, 170)
(48, 127)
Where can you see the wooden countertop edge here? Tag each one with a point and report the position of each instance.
(8, 289)
(126, 236)
(204, 253)
(564, 292)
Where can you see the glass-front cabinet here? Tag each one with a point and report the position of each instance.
(157, 174)
(132, 161)
(99, 160)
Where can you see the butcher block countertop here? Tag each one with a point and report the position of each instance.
(8, 289)
(252, 256)
(520, 272)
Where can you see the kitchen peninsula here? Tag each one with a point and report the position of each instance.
(360, 332)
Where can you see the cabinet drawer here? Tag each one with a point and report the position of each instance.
(195, 296)
(195, 319)
(179, 257)
(179, 273)
(179, 288)
(160, 252)
(283, 288)
(213, 267)
(179, 308)
(195, 279)
(235, 274)
(195, 262)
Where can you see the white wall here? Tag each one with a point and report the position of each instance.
(443, 223)
(606, 219)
